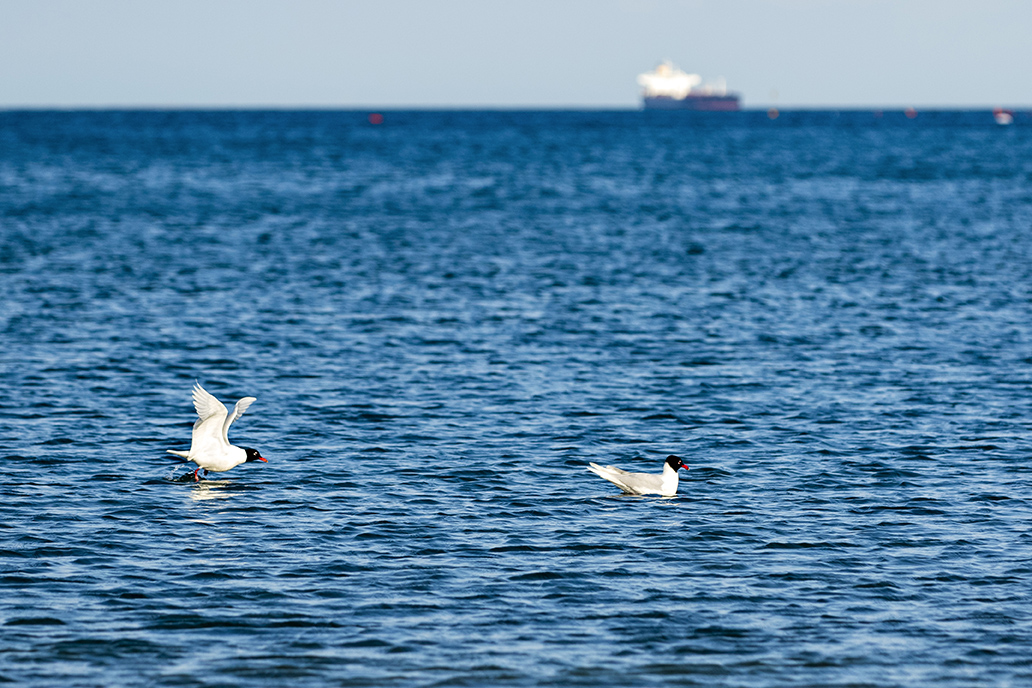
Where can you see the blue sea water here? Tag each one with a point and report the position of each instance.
(444, 318)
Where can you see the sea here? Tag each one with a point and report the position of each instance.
(444, 317)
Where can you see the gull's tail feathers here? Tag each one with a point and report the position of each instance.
(610, 473)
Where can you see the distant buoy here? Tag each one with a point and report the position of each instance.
(911, 113)
(773, 113)
(1003, 117)
(376, 118)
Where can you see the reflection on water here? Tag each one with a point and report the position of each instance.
(203, 489)
(211, 489)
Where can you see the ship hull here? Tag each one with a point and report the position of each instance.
(707, 103)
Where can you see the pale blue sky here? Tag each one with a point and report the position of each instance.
(517, 53)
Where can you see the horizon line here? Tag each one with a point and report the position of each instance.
(493, 108)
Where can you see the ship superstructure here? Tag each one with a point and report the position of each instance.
(669, 88)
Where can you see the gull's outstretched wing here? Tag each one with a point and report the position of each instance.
(238, 411)
(208, 433)
(205, 404)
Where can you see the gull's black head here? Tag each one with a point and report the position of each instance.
(675, 462)
(253, 455)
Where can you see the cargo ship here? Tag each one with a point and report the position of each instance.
(668, 88)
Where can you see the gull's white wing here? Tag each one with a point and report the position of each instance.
(208, 433)
(238, 411)
(205, 404)
(642, 483)
(633, 483)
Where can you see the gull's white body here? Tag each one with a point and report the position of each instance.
(664, 484)
(209, 443)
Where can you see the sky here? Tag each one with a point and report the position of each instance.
(374, 54)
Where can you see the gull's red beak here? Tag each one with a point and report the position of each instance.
(262, 458)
